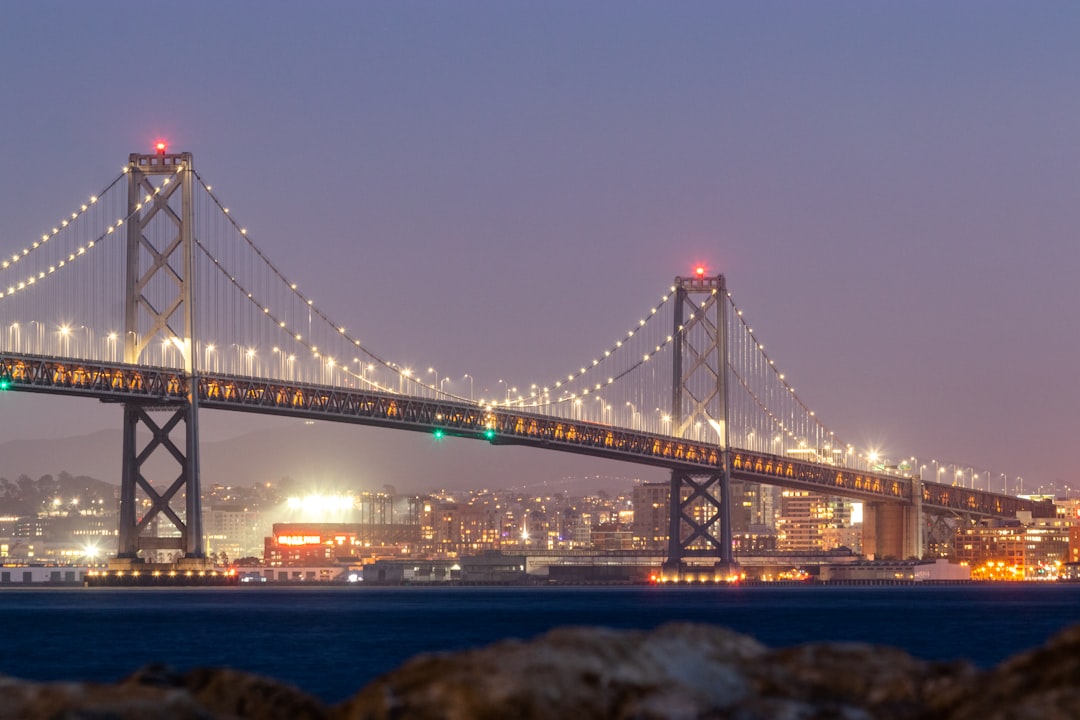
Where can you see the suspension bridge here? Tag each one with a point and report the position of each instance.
(150, 294)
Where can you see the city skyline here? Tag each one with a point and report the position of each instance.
(504, 208)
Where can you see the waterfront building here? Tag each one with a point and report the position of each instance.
(1013, 550)
(895, 571)
(320, 544)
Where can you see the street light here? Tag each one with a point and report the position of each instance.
(604, 407)
(89, 342)
(64, 332)
(39, 338)
(281, 361)
(467, 375)
(435, 372)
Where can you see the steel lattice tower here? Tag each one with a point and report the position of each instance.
(700, 503)
(159, 306)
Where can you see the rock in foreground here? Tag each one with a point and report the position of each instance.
(694, 671)
(678, 671)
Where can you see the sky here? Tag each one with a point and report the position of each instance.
(496, 188)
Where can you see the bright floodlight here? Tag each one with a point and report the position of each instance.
(318, 505)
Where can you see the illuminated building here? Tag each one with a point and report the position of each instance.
(233, 530)
(810, 521)
(580, 531)
(1013, 551)
(753, 507)
(650, 525)
(478, 528)
(315, 544)
(612, 536)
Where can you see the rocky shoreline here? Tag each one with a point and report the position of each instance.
(677, 671)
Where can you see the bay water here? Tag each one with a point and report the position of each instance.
(331, 640)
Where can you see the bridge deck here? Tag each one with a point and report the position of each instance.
(118, 382)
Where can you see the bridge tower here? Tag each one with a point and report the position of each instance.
(159, 308)
(700, 505)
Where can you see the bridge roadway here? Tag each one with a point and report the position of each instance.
(120, 382)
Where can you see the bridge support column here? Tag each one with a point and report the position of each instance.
(159, 306)
(891, 531)
(918, 526)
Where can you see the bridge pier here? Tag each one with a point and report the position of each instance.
(892, 530)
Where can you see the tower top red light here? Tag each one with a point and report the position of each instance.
(160, 147)
(700, 271)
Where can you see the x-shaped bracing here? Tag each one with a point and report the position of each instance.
(160, 503)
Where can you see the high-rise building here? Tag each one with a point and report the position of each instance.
(234, 530)
(650, 524)
(810, 522)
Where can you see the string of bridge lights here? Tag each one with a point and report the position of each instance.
(288, 331)
(608, 353)
(61, 226)
(292, 287)
(82, 249)
(588, 369)
(779, 423)
(780, 376)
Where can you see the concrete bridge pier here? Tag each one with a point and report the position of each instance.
(892, 530)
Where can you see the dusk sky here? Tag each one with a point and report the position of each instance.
(891, 190)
